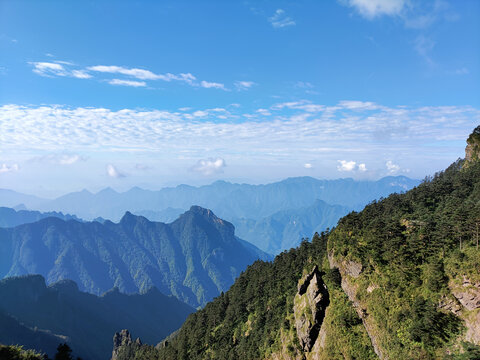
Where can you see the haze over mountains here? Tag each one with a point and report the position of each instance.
(227, 200)
(259, 207)
(194, 258)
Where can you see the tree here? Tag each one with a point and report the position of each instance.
(64, 352)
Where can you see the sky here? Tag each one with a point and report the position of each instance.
(157, 93)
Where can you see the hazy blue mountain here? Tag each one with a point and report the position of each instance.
(285, 229)
(87, 322)
(227, 200)
(12, 199)
(194, 258)
(11, 218)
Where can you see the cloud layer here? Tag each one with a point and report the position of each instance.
(289, 131)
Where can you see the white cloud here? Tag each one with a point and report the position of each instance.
(264, 112)
(132, 83)
(81, 74)
(210, 166)
(244, 85)
(362, 167)
(5, 168)
(358, 105)
(214, 85)
(330, 134)
(61, 68)
(391, 167)
(60, 158)
(48, 69)
(299, 105)
(374, 8)
(308, 166)
(112, 171)
(280, 19)
(346, 165)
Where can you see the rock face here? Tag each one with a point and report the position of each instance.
(309, 308)
(472, 151)
(351, 269)
(123, 338)
(468, 295)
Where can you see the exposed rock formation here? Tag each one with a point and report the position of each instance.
(472, 151)
(468, 295)
(123, 338)
(309, 308)
(354, 269)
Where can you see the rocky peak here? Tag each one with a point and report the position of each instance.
(472, 151)
(309, 308)
(121, 339)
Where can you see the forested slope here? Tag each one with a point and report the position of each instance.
(398, 280)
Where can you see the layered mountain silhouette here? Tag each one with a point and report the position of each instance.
(11, 217)
(194, 258)
(41, 317)
(285, 229)
(229, 201)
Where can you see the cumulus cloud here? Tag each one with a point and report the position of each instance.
(308, 166)
(5, 168)
(332, 133)
(280, 19)
(112, 171)
(391, 167)
(132, 83)
(210, 166)
(362, 167)
(244, 85)
(346, 165)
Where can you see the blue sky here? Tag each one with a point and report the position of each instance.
(156, 93)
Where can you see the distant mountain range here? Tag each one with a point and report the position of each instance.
(11, 218)
(274, 216)
(285, 229)
(41, 317)
(229, 201)
(193, 258)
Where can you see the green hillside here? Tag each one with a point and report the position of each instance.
(193, 258)
(398, 280)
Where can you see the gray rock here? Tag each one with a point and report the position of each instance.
(309, 308)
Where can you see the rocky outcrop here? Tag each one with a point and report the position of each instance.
(468, 294)
(309, 308)
(348, 268)
(472, 151)
(123, 339)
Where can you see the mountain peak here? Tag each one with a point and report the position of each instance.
(128, 218)
(202, 211)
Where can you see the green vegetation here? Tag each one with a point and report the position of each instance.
(15, 352)
(412, 248)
